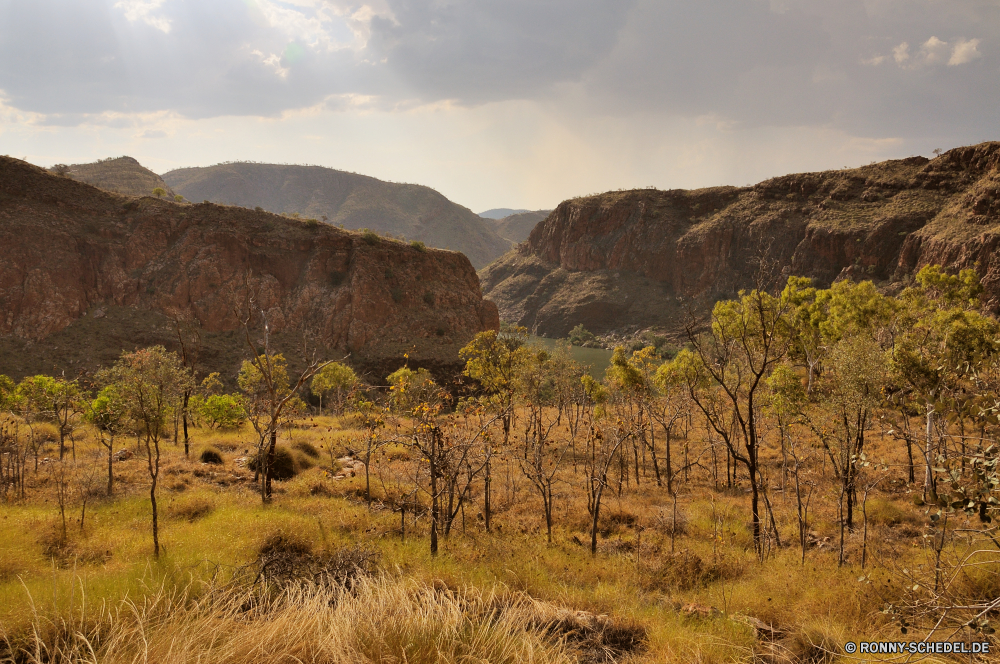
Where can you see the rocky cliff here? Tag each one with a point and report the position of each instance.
(348, 199)
(627, 260)
(82, 265)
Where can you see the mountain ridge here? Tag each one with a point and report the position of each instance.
(623, 261)
(355, 201)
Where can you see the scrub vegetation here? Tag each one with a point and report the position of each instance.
(813, 467)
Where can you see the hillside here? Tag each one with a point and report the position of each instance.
(623, 261)
(500, 213)
(86, 273)
(517, 227)
(123, 175)
(354, 201)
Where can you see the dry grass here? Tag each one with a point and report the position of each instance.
(381, 619)
(648, 569)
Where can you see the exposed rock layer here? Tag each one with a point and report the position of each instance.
(71, 250)
(626, 260)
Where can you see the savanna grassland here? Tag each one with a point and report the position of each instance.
(768, 492)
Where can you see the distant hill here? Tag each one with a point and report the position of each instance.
(123, 175)
(500, 213)
(356, 201)
(517, 227)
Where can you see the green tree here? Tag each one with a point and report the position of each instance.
(109, 414)
(149, 381)
(725, 372)
(222, 411)
(336, 379)
(495, 358)
(54, 399)
(159, 191)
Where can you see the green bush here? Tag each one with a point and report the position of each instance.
(419, 246)
(222, 411)
(370, 236)
(579, 336)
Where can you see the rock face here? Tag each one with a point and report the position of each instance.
(354, 201)
(622, 261)
(517, 227)
(71, 249)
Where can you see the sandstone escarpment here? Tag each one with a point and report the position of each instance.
(71, 250)
(626, 260)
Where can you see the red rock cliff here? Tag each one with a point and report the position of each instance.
(68, 248)
(627, 260)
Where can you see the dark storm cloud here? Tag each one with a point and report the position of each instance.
(867, 66)
(477, 51)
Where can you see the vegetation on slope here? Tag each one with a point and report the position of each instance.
(817, 468)
(122, 175)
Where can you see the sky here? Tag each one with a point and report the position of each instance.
(501, 103)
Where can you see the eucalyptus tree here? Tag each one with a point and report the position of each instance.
(337, 380)
(494, 358)
(725, 372)
(149, 381)
(108, 412)
(941, 341)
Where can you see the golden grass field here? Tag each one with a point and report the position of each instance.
(504, 596)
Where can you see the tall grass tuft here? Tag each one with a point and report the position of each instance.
(380, 619)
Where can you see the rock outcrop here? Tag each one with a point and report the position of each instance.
(627, 260)
(76, 257)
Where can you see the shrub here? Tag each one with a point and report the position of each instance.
(212, 456)
(429, 298)
(311, 223)
(306, 448)
(192, 509)
(284, 467)
(579, 335)
(337, 278)
(685, 570)
(222, 411)
(370, 236)
(397, 294)
(419, 246)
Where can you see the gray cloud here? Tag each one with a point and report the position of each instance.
(840, 63)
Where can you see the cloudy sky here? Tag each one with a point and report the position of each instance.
(512, 103)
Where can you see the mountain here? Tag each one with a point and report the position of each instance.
(500, 213)
(86, 273)
(628, 260)
(123, 175)
(339, 198)
(517, 227)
